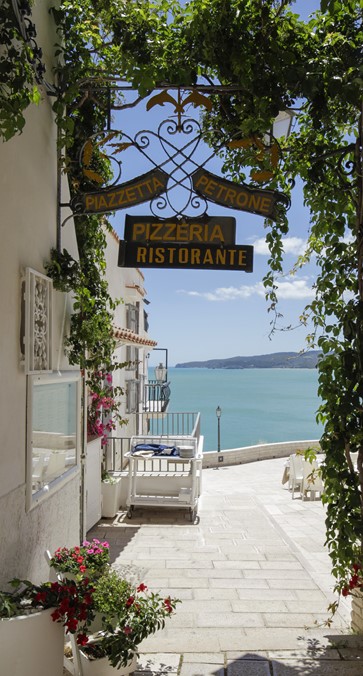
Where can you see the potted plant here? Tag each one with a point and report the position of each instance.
(30, 643)
(110, 489)
(129, 613)
(89, 559)
(109, 615)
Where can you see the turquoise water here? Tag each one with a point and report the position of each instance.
(258, 405)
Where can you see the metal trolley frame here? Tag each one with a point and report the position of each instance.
(163, 480)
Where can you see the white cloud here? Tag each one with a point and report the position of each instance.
(292, 245)
(292, 289)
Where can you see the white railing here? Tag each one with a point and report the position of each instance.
(171, 424)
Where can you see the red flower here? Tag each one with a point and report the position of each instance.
(55, 615)
(41, 597)
(80, 559)
(127, 629)
(345, 591)
(72, 624)
(130, 601)
(82, 569)
(142, 587)
(82, 639)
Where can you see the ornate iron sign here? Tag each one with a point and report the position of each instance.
(141, 189)
(205, 230)
(235, 196)
(189, 255)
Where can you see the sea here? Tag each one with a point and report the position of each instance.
(258, 405)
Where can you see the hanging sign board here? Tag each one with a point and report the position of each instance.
(204, 230)
(235, 196)
(141, 189)
(190, 255)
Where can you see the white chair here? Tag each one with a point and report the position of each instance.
(37, 472)
(55, 467)
(296, 473)
(312, 482)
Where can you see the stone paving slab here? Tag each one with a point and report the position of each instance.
(253, 576)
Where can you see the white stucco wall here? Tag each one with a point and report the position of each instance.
(28, 199)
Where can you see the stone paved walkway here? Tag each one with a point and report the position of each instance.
(253, 576)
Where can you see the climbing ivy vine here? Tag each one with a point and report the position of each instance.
(274, 61)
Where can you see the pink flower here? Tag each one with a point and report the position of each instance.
(105, 544)
(90, 551)
(97, 542)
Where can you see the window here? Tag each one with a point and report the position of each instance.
(53, 432)
(132, 396)
(132, 356)
(132, 317)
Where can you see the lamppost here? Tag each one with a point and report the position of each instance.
(218, 414)
(161, 371)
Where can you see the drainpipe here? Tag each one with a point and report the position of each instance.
(82, 495)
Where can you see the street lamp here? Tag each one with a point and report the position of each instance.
(282, 123)
(160, 373)
(218, 414)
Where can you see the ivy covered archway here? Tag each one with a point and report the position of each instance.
(273, 61)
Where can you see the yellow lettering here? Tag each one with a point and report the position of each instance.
(138, 230)
(216, 233)
(169, 235)
(232, 254)
(221, 256)
(141, 254)
(111, 199)
(130, 194)
(159, 255)
(242, 258)
(195, 256)
(202, 180)
(230, 195)
(183, 256)
(171, 254)
(156, 227)
(208, 258)
(121, 197)
(254, 202)
(90, 201)
(157, 184)
(222, 189)
(182, 232)
(210, 187)
(138, 188)
(266, 205)
(242, 199)
(196, 232)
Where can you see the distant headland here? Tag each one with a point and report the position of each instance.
(277, 360)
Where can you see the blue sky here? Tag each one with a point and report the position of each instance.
(206, 314)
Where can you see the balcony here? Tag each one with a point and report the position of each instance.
(156, 396)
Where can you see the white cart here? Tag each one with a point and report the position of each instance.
(165, 480)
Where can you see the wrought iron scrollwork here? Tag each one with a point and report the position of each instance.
(22, 11)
